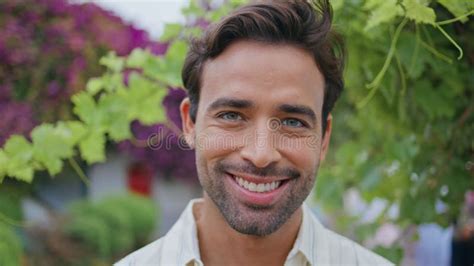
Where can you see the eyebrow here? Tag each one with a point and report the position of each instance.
(230, 102)
(298, 109)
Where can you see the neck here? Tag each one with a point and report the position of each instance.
(220, 244)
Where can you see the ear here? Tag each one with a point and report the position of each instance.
(187, 123)
(327, 138)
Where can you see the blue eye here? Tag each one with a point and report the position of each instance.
(230, 116)
(292, 122)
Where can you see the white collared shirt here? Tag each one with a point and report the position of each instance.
(315, 245)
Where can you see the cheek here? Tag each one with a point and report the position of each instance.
(214, 143)
(303, 153)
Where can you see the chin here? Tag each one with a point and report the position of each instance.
(255, 220)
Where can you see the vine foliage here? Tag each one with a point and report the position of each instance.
(104, 111)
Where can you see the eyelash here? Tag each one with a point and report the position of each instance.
(221, 115)
(304, 124)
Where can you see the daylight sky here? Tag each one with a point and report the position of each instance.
(150, 15)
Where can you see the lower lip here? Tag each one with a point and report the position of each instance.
(257, 198)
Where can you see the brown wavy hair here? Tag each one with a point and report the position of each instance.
(304, 24)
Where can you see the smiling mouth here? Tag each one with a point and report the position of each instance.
(254, 187)
(261, 187)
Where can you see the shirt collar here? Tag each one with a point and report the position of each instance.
(304, 244)
(190, 253)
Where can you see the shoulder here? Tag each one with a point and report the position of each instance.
(349, 252)
(172, 248)
(163, 251)
(147, 255)
(330, 248)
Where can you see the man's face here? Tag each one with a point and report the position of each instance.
(257, 133)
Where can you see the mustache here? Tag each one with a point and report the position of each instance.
(248, 168)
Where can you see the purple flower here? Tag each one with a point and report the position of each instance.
(202, 23)
(168, 158)
(158, 48)
(53, 89)
(5, 92)
(56, 7)
(17, 118)
(76, 42)
(138, 38)
(171, 102)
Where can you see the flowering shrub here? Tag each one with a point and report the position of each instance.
(48, 51)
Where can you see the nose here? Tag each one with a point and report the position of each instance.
(259, 148)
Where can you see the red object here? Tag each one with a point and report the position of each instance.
(140, 178)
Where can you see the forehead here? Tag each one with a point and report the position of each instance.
(263, 73)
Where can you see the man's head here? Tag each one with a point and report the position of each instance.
(254, 72)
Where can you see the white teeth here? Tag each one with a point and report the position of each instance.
(267, 186)
(246, 185)
(257, 187)
(253, 187)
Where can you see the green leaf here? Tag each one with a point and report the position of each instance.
(86, 109)
(435, 102)
(193, 9)
(383, 13)
(175, 59)
(53, 165)
(371, 179)
(84, 106)
(419, 208)
(171, 31)
(50, 146)
(238, 2)
(3, 164)
(144, 100)
(218, 13)
(192, 32)
(11, 251)
(337, 4)
(19, 153)
(371, 4)
(412, 58)
(92, 147)
(112, 62)
(20, 171)
(394, 254)
(167, 69)
(329, 190)
(72, 131)
(18, 147)
(94, 85)
(117, 121)
(177, 50)
(113, 82)
(458, 7)
(54, 141)
(138, 58)
(419, 11)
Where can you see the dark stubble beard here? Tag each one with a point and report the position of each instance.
(251, 219)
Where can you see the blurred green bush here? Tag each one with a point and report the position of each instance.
(11, 251)
(112, 226)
